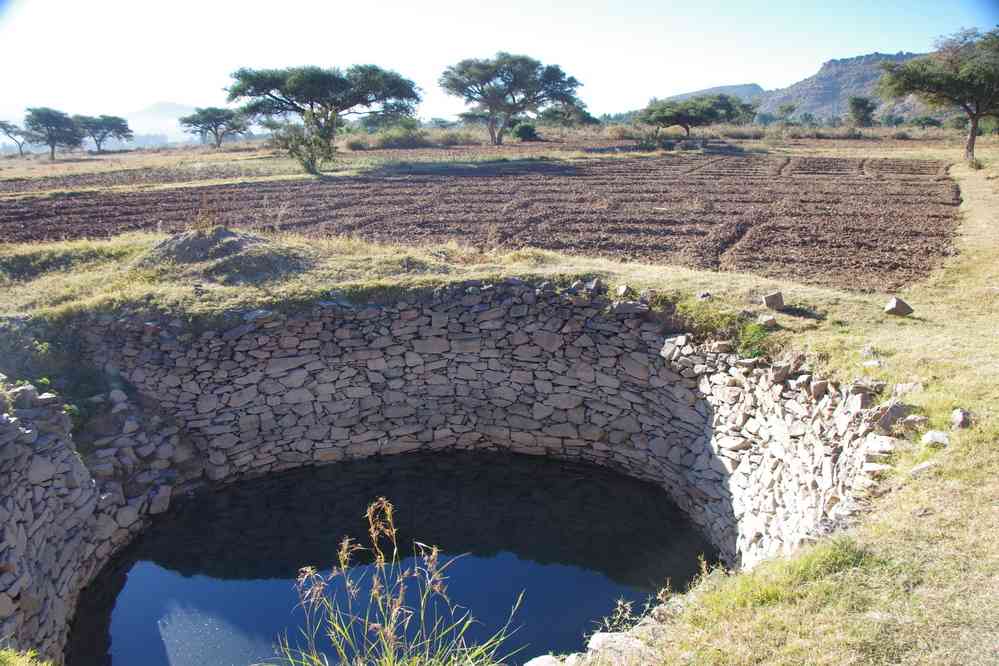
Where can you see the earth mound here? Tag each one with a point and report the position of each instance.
(223, 255)
(199, 245)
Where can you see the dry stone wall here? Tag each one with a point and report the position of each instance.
(761, 457)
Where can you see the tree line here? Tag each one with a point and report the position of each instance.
(53, 128)
(304, 107)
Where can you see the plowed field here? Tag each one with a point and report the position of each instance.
(871, 224)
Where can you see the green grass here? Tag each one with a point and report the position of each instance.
(12, 658)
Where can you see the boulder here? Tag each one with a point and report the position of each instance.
(960, 418)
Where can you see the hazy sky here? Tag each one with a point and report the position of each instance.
(119, 56)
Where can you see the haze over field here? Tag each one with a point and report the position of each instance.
(92, 58)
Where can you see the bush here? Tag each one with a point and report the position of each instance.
(741, 132)
(358, 143)
(526, 132)
(401, 137)
(623, 133)
(457, 138)
(901, 136)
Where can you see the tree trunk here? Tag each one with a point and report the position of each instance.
(492, 131)
(686, 128)
(501, 132)
(98, 144)
(20, 150)
(969, 147)
(218, 140)
(52, 152)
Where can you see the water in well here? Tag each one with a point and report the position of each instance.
(213, 580)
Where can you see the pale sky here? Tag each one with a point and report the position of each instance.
(119, 56)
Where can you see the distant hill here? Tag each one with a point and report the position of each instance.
(747, 92)
(826, 93)
(160, 118)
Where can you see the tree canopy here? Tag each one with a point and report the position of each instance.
(508, 85)
(324, 94)
(697, 112)
(52, 128)
(15, 134)
(862, 111)
(962, 74)
(101, 128)
(785, 111)
(217, 122)
(565, 115)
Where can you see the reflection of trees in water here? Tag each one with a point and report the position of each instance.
(479, 503)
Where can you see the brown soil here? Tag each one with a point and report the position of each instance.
(868, 224)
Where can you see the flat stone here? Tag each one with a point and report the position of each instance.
(431, 345)
(296, 396)
(126, 515)
(774, 300)
(160, 500)
(564, 400)
(40, 470)
(550, 342)
(896, 306)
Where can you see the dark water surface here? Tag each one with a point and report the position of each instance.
(213, 580)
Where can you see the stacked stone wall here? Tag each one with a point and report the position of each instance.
(761, 457)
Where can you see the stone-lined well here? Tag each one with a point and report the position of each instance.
(761, 457)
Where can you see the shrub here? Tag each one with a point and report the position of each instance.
(401, 137)
(526, 132)
(901, 136)
(741, 132)
(623, 133)
(383, 627)
(457, 138)
(358, 142)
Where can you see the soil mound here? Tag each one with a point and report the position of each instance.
(226, 256)
(197, 246)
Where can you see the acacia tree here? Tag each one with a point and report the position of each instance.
(507, 86)
(565, 115)
(319, 97)
(101, 128)
(696, 112)
(785, 111)
(52, 128)
(217, 122)
(862, 111)
(15, 134)
(963, 73)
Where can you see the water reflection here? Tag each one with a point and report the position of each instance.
(212, 581)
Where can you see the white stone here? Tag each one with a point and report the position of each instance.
(935, 439)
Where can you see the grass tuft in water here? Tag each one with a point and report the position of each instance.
(381, 627)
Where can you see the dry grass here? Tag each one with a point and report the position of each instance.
(915, 582)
